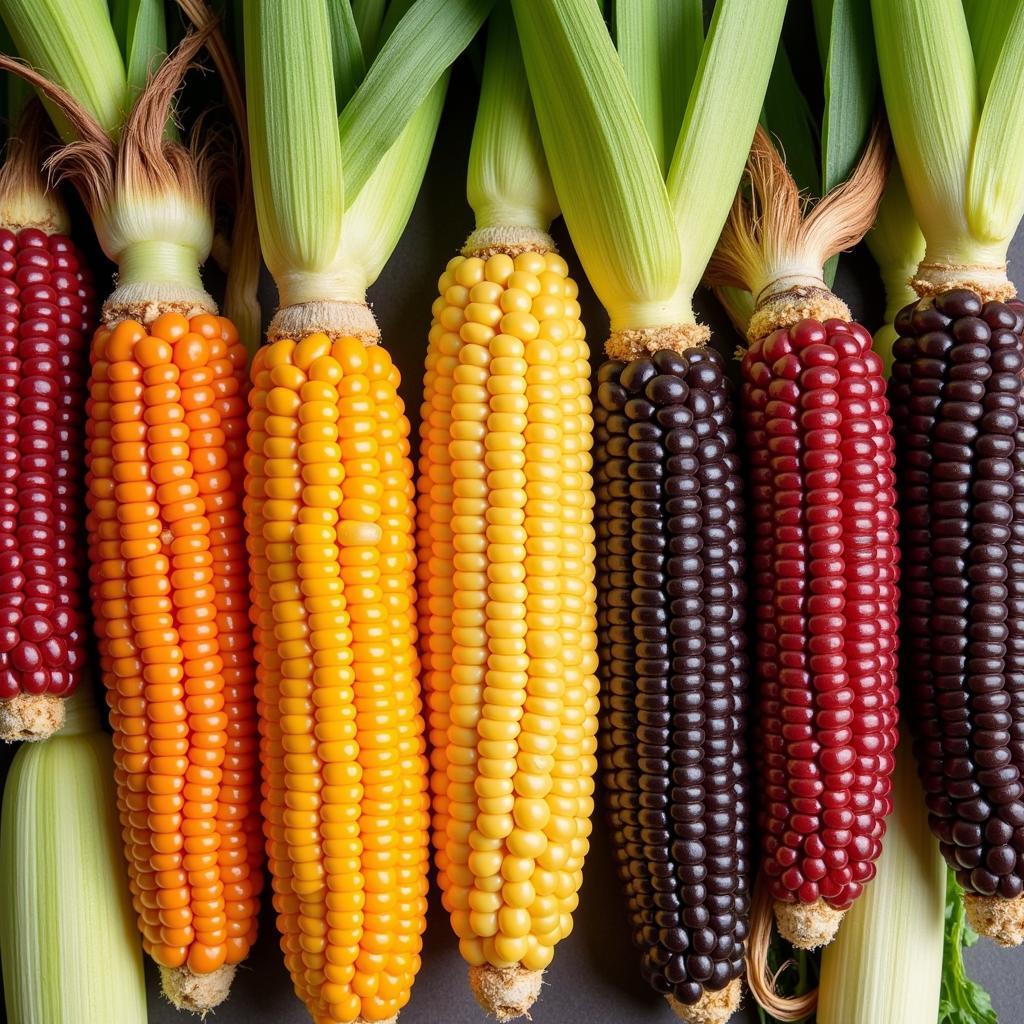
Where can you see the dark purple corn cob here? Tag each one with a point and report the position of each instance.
(671, 591)
(47, 311)
(957, 406)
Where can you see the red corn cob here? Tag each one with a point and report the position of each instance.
(825, 575)
(825, 557)
(47, 310)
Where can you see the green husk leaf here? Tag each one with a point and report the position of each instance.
(347, 51)
(787, 116)
(601, 159)
(681, 39)
(724, 106)
(898, 246)
(293, 136)
(637, 38)
(395, 11)
(423, 45)
(375, 221)
(986, 22)
(851, 89)
(508, 183)
(961, 1001)
(851, 92)
(928, 78)
(72, 43)
(142, 35)
(995, 186)
(14, 92)
(369, 16)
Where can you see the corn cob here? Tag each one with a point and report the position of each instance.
(165, 443)
(671, 567)
(819, 440)
(329, 510)
(505, 535)
(825, 574)
(330, 502)
(508, 610)
(47, 306)
(957, 392)
(956, 402)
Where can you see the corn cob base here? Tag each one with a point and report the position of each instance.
(169, 589)
(329, 510)
(670, 543)
(46, 310)
(508, 608)
(825, 575)
(957, 400)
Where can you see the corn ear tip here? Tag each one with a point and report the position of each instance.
(808, 925)
(713, 1007)
(1000, 920)
(197, 993)
(30, 717)
(505, 992)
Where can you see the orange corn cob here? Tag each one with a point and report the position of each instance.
(165, 439)
(329, 514)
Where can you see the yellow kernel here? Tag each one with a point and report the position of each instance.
(469, 271)
(522, 325)
(510, 949)
(522, 843)
(530, 263)
(483, 924)
(499, 268)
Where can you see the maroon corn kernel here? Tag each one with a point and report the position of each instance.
(47, 310)
(825, 574)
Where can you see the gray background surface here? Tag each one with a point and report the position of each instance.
(594, 978)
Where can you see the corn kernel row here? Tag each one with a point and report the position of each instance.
(507, 602)
(169, 592)
(329, 507)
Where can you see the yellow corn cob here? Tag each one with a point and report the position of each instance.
(507, 602)
(329, 506)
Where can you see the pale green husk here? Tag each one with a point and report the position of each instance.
(508, 183)
(142, 34)
(423, 45)
(644, 243)
(954, 112)
(333, 193)
(886, 963)
(73, 44)
(724, 107)
(293, 136)
(897, 244)
(71, 953)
